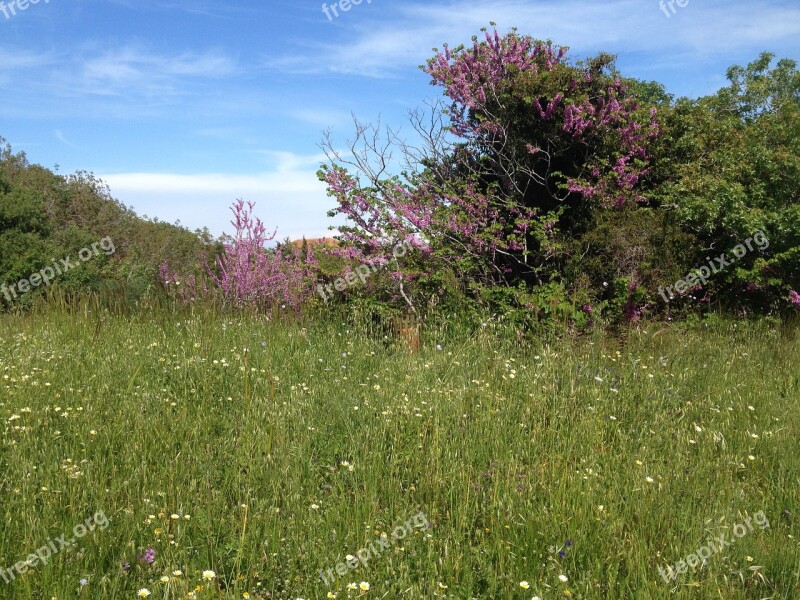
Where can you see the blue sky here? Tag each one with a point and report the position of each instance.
(183, 107)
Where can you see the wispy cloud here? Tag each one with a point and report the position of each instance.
(384, 42)
(288, 194)
(131, 70)
(60, 137)
(12, 59)
(126, 82)
(206, 8)
(324, 118)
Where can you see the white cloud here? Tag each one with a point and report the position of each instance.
(403, 34)
(289, 196)
(232, 184)
(61, 138)
(15, 59)
(323, 118)
(134, 71)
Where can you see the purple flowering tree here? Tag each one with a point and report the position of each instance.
(247, 274)
(521, 153)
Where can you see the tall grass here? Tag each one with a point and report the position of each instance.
(283, 447)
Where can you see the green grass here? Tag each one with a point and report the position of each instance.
(510, 449)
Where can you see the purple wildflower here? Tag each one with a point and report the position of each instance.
(149, 556)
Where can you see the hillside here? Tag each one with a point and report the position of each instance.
(47, 219)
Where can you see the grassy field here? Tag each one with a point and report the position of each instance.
(486, 467)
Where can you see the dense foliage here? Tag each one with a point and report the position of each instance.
(46, 217)
(542, 188)
(730, 168)
(564, 190)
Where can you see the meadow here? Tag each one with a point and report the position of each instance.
(219, 456)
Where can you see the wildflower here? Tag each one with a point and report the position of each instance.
(363, 586)
(209, 575)
(164, 579)
(83, 582)
(143, 593)
(648, 479)
(352, 586)
(524, 585)
(563, 578)
(177, 573)
(331, 595)
(174, 516)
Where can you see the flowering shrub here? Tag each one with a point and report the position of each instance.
(246, 274)
(516, 91)
(533, 145)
